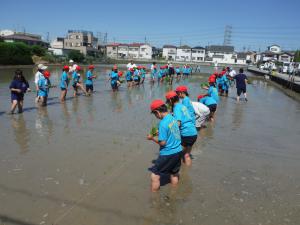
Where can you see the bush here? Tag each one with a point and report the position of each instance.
(15, 54)
(75, 55)
(38, 50)
(297, 56)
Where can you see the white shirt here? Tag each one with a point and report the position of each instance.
(130, 65)
(232, 73)
(72, 68)
(201, 111)
(37, 76)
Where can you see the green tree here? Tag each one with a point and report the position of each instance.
(15, 54)
(297, 56)
(38, 50)
(75, 55)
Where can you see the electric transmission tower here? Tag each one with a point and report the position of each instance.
(227, 35)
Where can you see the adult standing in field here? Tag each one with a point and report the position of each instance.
(18, 88)
(40, 70)
(241, 84)
(131, 65)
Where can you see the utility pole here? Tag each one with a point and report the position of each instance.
(227, 35)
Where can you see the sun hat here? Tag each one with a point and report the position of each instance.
(42, 67)
(155, 104)
(170, 94)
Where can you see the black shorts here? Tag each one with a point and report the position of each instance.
(167, 164)
(63, 89)
(89, 87)
(74, 86)
(240, 90)
(188, 141)
(129, 80)
(114, 86)
(212, 108)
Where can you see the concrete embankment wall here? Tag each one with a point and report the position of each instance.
(281, 79)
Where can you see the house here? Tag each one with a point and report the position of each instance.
(286, 57)
(81, 40)
(29, 39)
(169, 52)
(220, 54)
(57, 47)
(129, 51)
(184, 53)
(241, 58)
(198, 54)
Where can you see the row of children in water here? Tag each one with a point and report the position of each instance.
(177, 130)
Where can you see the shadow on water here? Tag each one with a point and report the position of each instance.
(4, 219)
(113, 212)
(21, 132)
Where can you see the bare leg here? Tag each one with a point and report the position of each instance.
(245, 95)
(174, 179)
(13, 106)
(187, 158)
(155, 182)
(20, 106)
(63, 95)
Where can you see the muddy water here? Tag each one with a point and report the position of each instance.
(85, 161)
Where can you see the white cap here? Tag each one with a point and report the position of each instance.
(71, 61)
(42, 67)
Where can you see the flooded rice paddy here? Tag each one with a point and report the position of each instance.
(85, 162)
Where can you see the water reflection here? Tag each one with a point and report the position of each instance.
(66, 117)
(43, 123)
(21, 132)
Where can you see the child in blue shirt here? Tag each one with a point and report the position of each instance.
(213, 92)
(18, 87)
(143, 74)
(44, 85)
(178, 72)
(136, 76)
(187, 127)
(182, 93)
(64, 82)
(170, 151)
(114, 78)
(211, 103)
(129, 75)
(89, 87)
(76, 81)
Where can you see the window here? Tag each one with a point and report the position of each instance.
(114, 48)
(78, 44)
(143, 49)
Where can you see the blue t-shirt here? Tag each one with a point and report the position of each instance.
(43, 87)
(213, 92)
(177, 70)
(153, 73)
(168, 131)
(182, 114)
(208, 101)
(187, 103)
(128, 75)
(17, 84)
(136, 75)
(75, 77)
(240, 80)
(89, 78)
(113, 77)
(143, 73)
(160, 74)
(64, 79)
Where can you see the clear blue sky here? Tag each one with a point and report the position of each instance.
(256, 23)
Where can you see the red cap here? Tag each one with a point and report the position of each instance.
(181, 89)
(170, 94)
(200, 96)
(78, 68)
(66, 68)
(91, 67)
(131, 69)
(156, 104)
(212, 79)
(223, 72)
(120, 73)
(46, 74)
